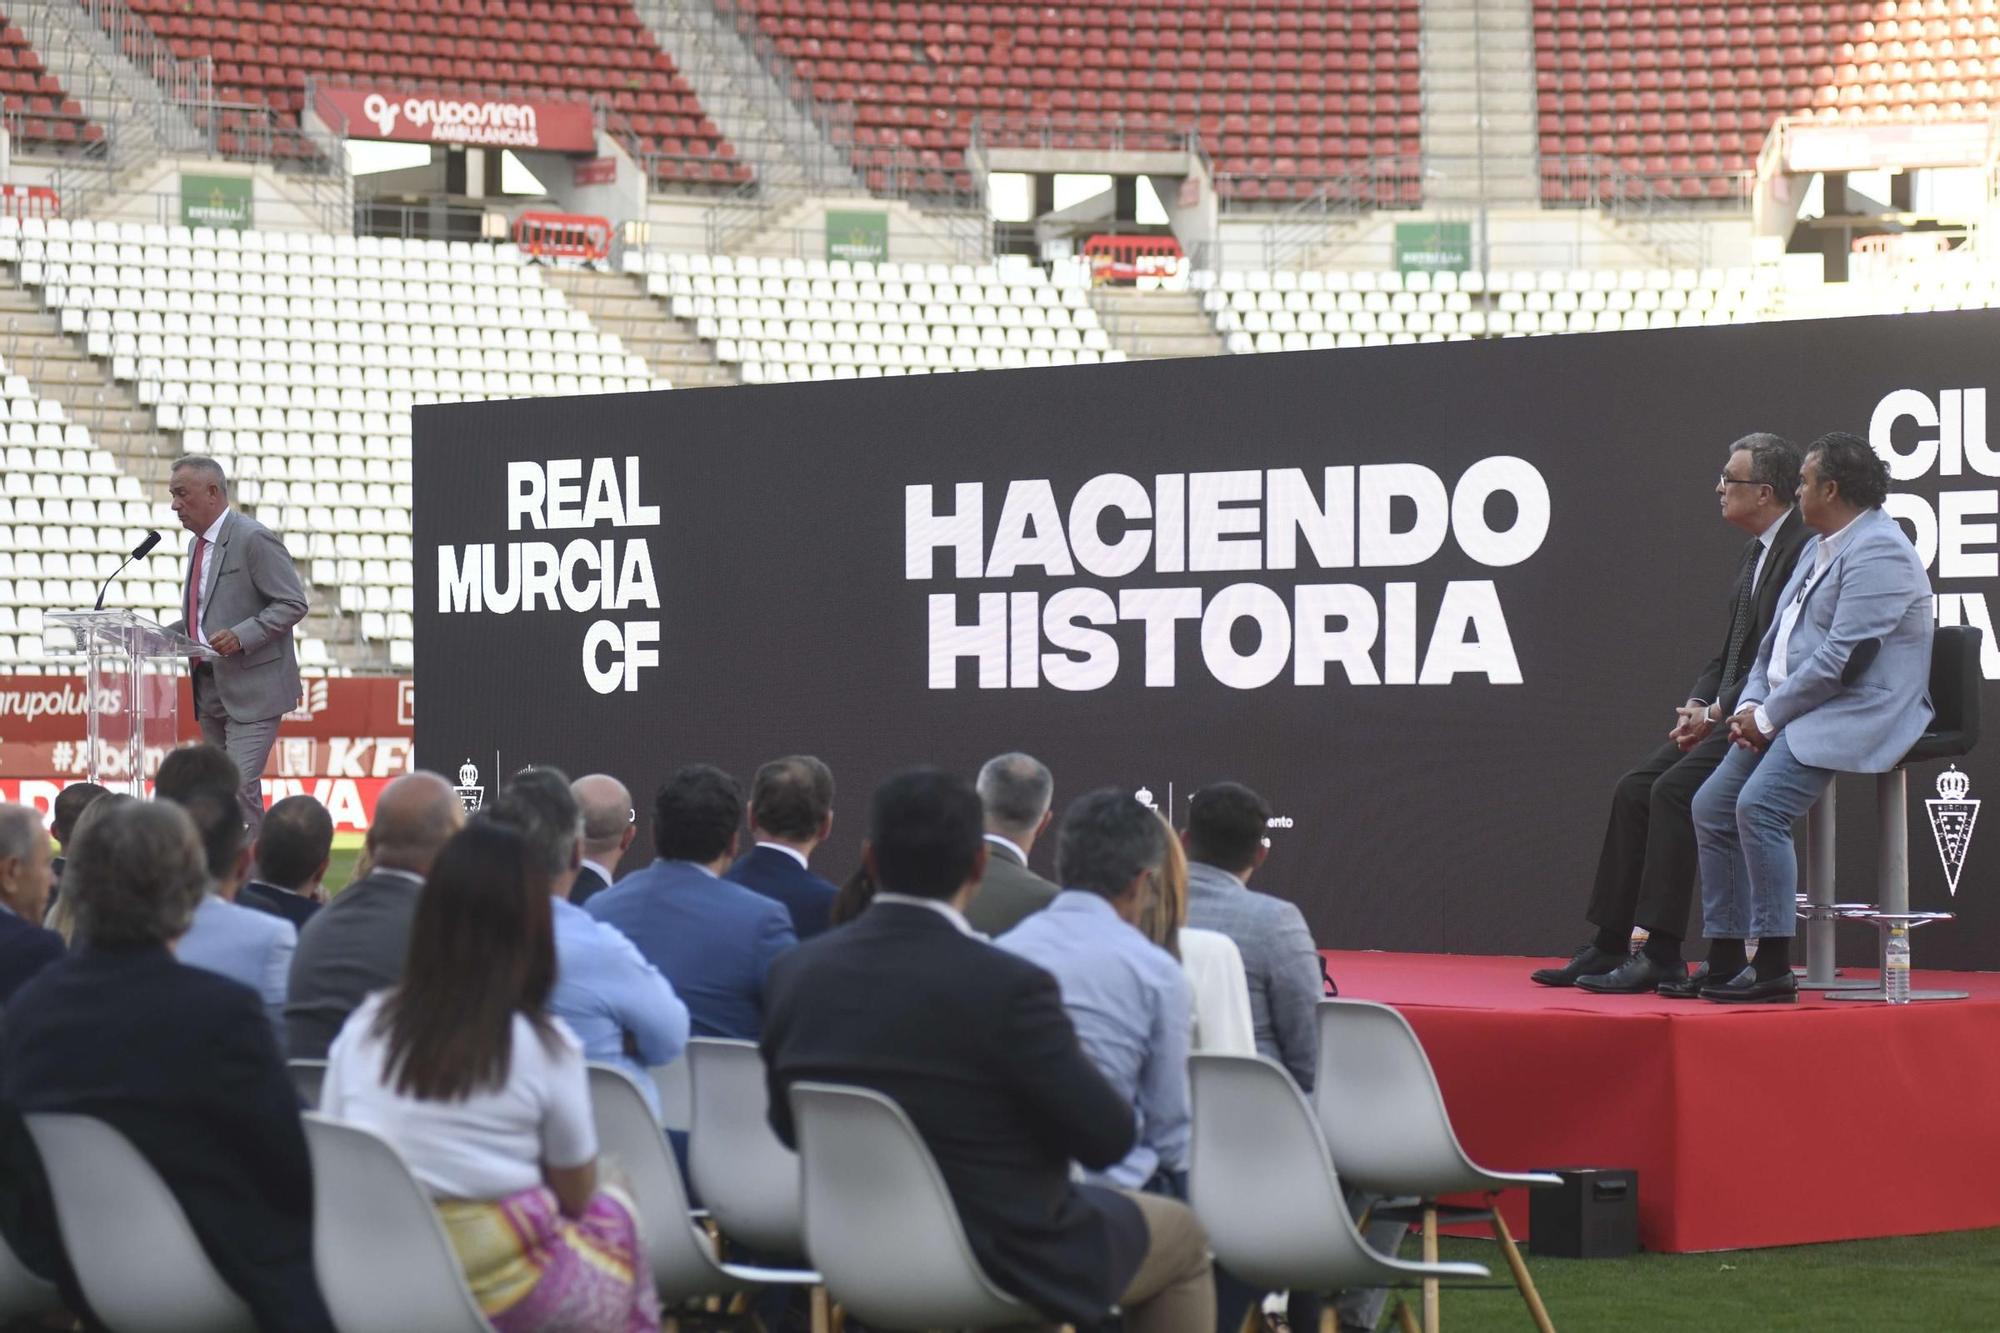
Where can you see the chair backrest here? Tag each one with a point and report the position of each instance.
(1262, 1182)
(1955, 681)
(308, 1076)
(1379, 1106)
(111, 1207)
(676, 1086)
(682, 1259)
(748, 1178)
(22, 1291)
(384, 1263)
(880, 1224)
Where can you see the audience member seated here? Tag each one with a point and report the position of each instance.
(487, 1099)
(617, 1003)
(712, 938)
(25, 947)
(610, 823)
(356, 945)
(791, 812)
(252, 948)
(177, 1059)
(1213, 965)
(70, 803)
(293, 849)
(1127, 996)
(1018, 794)
(972, 1042)
(61, 917)
(1226, 844)
(856, 892)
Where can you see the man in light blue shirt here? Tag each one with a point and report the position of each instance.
(618, 1005)
(245, 945)
(1127, 997)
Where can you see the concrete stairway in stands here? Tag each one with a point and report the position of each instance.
(618, 303)
(1153, 325)
(1480, 136)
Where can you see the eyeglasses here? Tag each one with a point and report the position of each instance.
(1726, 480)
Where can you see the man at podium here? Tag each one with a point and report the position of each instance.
(241, 596)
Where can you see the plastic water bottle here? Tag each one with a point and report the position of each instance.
(1896, 965)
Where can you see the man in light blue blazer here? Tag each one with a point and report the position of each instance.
(247, 946)
(1841, 684)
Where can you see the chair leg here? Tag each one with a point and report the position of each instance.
(1522, 1278)
(822, 1314)
(1406, 1319)
(1430, 1257)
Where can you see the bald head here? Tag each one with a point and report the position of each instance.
(607, 817)
(414, 817)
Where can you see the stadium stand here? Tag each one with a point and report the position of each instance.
(798, 320)
(1285, 97)
(1294, 312)
(1684, 94)
(264, 55)
(39, 113)
(295, 361)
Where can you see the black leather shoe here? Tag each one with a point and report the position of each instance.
(1588, 961)
(1641, 974)
(1746, 988)
(1687, 987)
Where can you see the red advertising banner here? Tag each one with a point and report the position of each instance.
(595, 171)
(348, 737)
(472, 120)
(351, 801)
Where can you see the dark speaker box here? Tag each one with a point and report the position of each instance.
(1593, 1214)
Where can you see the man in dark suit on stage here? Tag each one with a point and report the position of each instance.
(356, 944)
(1646, 870)
(973, 1043)
(1018, 795)
(609, 825)
(713, 939)
(791, 813)
(293, 850)
(242, 596)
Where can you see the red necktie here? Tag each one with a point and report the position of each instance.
(194, 596)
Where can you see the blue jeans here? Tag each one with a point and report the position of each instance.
(1743, 818)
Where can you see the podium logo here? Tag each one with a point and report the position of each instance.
(1953, 812)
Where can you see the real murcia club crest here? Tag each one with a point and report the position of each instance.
(468, 788)
(1952, 817)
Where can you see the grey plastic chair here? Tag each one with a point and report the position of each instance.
(384, 1263)
(748, 1178)
(22, 1292)
(110, 1206)
(1267, 1192)
(683, 1260)
(308, 1076)
(676, 1088)
(1384, 1119)
(909, 1266)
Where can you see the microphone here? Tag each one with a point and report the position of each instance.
(152, 540)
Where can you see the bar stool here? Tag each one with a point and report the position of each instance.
(1954, 689)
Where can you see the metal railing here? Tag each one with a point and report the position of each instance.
(1666, 210)
(1298, 231)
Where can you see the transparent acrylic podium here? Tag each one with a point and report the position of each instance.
(132, 683)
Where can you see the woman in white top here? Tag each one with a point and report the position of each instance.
(487, 1099)
(1211, 960)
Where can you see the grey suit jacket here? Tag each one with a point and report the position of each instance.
(352, 947)
(256, 595)
(1008, 895)
(1279, 961)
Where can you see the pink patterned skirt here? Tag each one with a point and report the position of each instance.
(534, 1270)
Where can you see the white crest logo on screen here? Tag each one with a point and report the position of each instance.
(1144, 796)
(1953, 812)
(470, 793)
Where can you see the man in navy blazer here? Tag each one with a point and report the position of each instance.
(25, 948)
(1841, 684)
(791, 812)
(713, 939)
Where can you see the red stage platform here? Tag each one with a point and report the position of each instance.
(1749, 1125)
